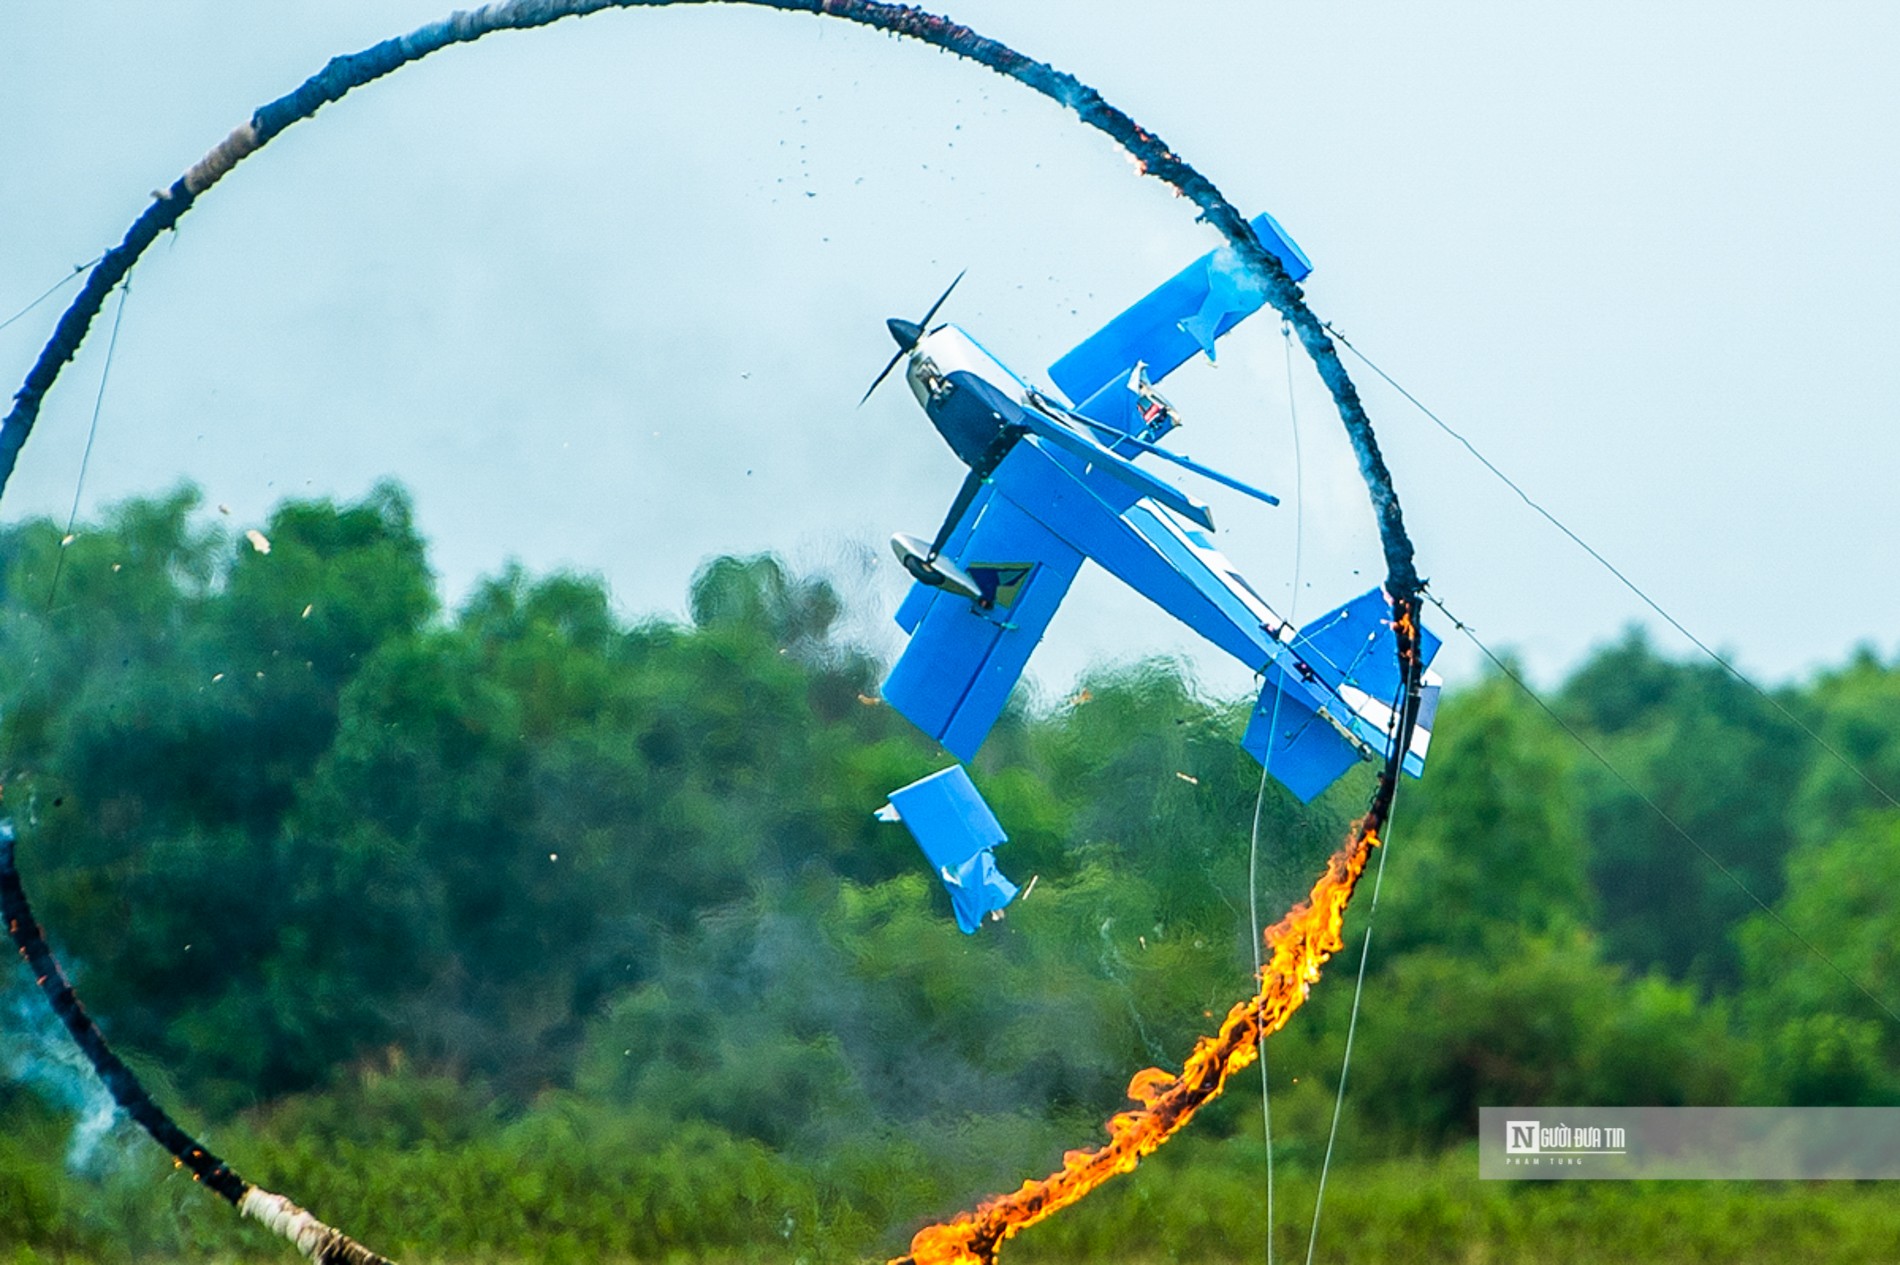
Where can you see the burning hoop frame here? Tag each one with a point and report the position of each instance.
(1297, 946)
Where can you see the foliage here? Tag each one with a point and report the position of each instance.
(1723, 762)
(1498, 802)
(1826, 1040)
(520, 930)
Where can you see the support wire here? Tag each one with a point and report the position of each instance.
(92, 433)
(55, 288)
(1266, 766)
(1352, 1022)
(1786, 713)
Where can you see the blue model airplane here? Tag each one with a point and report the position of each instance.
(1052, 483)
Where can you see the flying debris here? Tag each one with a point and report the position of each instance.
(957, 831)
(1052, 482)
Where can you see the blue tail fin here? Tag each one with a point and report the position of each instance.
(1346, 662)
(1353, 645)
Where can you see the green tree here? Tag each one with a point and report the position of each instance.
(1826, 1040)
(1487, 849)
(1856, 708)
(160, 716)
(1723, 763)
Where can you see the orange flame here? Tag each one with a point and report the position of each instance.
(1298, 945)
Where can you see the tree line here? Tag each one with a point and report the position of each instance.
(355, 873)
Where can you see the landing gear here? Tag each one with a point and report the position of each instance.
(926, 562)
(927, 567)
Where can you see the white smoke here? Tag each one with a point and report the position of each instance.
(37, 1053)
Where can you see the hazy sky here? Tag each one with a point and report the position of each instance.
(605, 295)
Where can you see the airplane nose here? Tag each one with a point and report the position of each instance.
(905, 332)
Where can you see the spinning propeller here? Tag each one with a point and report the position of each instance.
(907, 334)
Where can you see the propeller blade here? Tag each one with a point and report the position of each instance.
(925, 323)
(879, 380)
(900, 329)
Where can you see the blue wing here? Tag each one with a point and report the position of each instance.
(1043, 511)
(964, 659)
(1181, 316)
(1327, 693)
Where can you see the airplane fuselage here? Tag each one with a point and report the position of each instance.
(970, 396)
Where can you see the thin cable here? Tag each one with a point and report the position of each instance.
(1352, 1022)
(1656, 808)
(1627, 583)
(53, 289)
(1259, 964)
(1266, 765)
(98, 403)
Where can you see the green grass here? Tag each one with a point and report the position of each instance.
(1210, 1207)
(584, 1191)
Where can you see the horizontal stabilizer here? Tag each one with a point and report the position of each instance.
(1183, 315)
(1422, 727)
(1295, 744)
(956, 830)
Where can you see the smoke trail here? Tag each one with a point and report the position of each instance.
(314, 1239)
(119, 1080)
(1176, 1104)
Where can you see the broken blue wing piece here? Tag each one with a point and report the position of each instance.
(956, 829)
